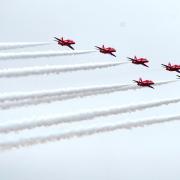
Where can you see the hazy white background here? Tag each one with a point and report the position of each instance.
(147, 28)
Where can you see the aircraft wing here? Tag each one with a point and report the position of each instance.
(145, 65)
(71, 47)
(98, 47)
(130, 58)
(151, 86)
(56, 39)
(164, 65)
(113, 54)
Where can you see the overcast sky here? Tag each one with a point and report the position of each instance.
(147, 28)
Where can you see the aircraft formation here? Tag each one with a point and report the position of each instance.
(46, 96)
(137, 61)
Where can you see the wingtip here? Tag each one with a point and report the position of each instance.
(112, 54)
(55, 39)
(130, 59)
(97, 47)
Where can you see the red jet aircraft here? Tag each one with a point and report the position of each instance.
(170, 67)
(64, 42)
(145, 83)
(107, 50)
(141, 61)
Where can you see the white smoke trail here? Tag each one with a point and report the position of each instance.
(36, 98)
(28, 55)
(50, 99)
(9, 73)
(8, 46)
(88, 115)
(57, 92)
(86, 132)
